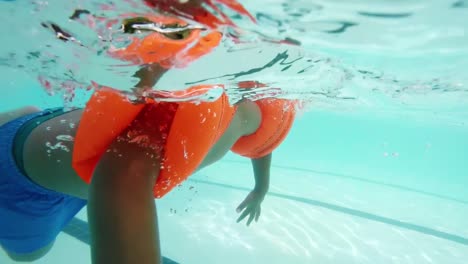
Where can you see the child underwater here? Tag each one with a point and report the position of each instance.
(126, 153)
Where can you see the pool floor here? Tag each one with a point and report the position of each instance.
(308, 217)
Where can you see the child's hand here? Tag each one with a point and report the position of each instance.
(251, 206)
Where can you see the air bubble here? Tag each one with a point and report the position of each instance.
(65, 138)
(58, 145)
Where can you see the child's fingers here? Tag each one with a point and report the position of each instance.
(241, 206)
(257, 216)
(243, 215)
(251, 218)
(244, 204)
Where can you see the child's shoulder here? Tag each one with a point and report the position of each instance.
(250, 114)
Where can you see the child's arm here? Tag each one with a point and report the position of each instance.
(121, 210)
(252, 203)
(261, 168)
(149, 75)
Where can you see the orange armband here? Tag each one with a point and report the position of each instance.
(277, 119)
(192, 129)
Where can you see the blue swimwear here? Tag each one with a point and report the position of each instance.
(31, 216)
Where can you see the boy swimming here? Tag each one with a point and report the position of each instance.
(116, 156)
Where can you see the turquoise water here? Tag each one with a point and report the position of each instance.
(378, 178)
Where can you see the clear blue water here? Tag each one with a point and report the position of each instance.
(374, 169)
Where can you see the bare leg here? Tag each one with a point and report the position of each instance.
(10, 115)
(29, 257)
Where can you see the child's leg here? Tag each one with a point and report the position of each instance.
(47, 159)
(4, 118)
(42, 213)
(10, 115)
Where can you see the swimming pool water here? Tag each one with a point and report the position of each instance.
(381, 180)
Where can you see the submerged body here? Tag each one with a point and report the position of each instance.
(49, 168)
(53, 163)
(54, 171)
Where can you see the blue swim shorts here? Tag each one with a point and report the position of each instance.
(31, 216)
